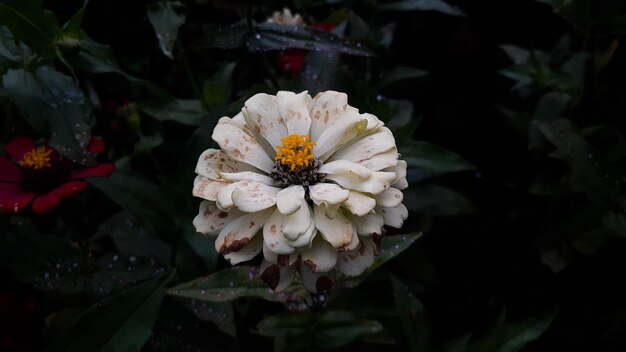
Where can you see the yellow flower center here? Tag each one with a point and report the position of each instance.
(296, 151)
(36, 159)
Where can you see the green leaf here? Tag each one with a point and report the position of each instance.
(272, 36)
(390, 247)
(428, 160)
(141, 198)
(122, 322)
(413, 315)
(229, 37)
(31, 24)
(305, 331)
(186, 112)
(203, 246)
(511, 337)
(229, 284)
(53, 105)
(166, 18)
(400, 73)
(436, 200)
(219, 88)
(220, 314)
(423, 5)
(585, 162)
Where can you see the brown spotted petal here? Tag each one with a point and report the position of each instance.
(277, 277)
(210, 219)
(316, 282)
(239, 231)
(320, 257)
(355, 262)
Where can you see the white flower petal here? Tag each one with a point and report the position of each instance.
(210, 219)
(273, 234)
(366, 147)
(394, 217)
(354, 263)
(338, 231)
(280, 259)
(326, 109)
(320, 257)
(382, 160)
(206, 188)
(345, 129)
(306, 238)
(289, 199)
(329, 196)
(248, 176)
(400, 170)
(213, 162)
(316, 282)
(262, 115)
(377, 183)
(276, 276)
(241, 146)
(248, 252)
(298, 223)
(389, 198)
(359, 204)
(368, 225)
(372, 122)
(239, 231)
(225, 196)
(294, 111)
(354, 243)
(249, 196)
(343, 166)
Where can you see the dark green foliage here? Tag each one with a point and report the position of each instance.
(509, 114)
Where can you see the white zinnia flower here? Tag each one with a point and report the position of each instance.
(309, 182)
(286, 18)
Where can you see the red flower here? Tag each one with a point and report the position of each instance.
(39, 175)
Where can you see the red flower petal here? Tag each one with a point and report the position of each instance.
(19, 146)
(13, 199)
(46, 203)
(291, 62)
(102, 170)
(10, 172)
(96, 146)
(70, 189)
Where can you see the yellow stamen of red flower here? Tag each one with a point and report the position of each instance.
(296, 151)
(36, 159)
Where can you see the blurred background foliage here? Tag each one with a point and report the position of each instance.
(510, 115)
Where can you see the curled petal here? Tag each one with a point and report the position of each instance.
(355, 262)
(367, 147)
(344, 130)
(377, 183)
(389, 198)
(249, 196)
(343, 166)
(207, 189)
(213, 162)
(320, 257)
(338, 231)
(316, 282)
(395, 216)
(277, 277)
(290, 199)
(381, 161)
(239, 231)
(210, 219)
(368, 225)
(280, 259)
(359, 204)
(246, 253)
